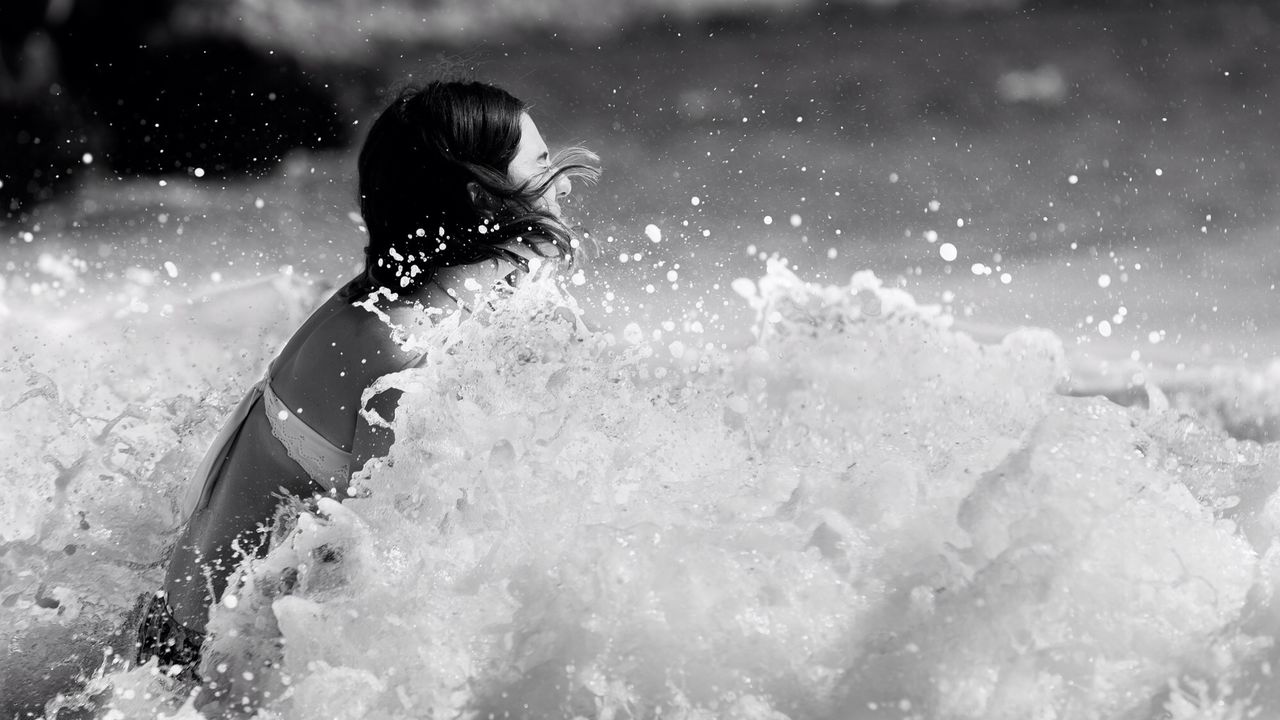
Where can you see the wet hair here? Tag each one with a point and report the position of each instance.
(416, 167)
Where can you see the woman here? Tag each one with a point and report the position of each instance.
(458, 192)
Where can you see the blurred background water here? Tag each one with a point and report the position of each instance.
(178, 187)
(1103, 169)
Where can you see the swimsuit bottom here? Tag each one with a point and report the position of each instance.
(160, 635)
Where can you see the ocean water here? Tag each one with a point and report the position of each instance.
(862, 512)
(349, 26)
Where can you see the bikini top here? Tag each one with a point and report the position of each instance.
(323, 462)
(326, 463)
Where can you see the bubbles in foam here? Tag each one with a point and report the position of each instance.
(862, 509)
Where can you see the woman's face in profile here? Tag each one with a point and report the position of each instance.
(532, 161)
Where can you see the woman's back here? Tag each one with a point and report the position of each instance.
(318, 378)
(338, 352)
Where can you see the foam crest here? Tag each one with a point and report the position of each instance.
(865, 514)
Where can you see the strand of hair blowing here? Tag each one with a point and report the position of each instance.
(415, 168)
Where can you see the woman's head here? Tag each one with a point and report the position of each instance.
(455, 173)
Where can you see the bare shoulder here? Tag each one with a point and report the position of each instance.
(347, 346)
(411, 320)
(379, 338)
(363, 339)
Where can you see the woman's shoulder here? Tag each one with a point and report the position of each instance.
(356, 343)
(379, 336)
(403, 332)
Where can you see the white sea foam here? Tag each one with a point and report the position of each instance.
(863, 514)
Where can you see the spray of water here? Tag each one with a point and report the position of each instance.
(863, 514)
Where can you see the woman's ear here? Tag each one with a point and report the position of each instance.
(481, 199)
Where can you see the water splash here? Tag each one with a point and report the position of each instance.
(864, 514)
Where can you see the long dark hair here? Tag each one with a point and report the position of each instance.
(415, 168)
